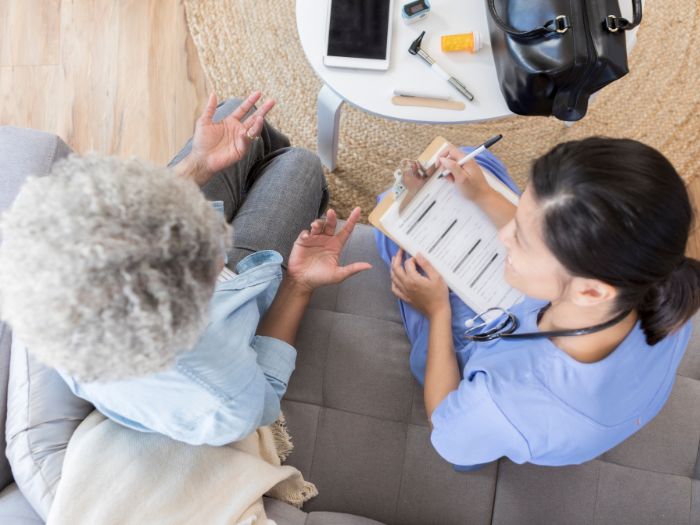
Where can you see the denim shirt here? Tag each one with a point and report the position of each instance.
(228, 385)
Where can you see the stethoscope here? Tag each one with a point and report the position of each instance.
(508, 324)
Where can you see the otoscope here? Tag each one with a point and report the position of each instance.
(415, 49)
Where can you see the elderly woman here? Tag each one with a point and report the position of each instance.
(113, 272)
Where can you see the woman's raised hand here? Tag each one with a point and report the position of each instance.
(218, 145)
(315, 257)
(469, 177)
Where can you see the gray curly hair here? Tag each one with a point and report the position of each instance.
(107, 266)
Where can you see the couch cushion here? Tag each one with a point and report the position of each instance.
(42, 414)
(433, 492)
(534, 494)
(312, 343)
(283, 513)
(695, 505)
(669, 443)
(690, 365)
(367, 368)
(337, 518)
(357, 464)
(418, 414)
(628, 496)
(341, 365)
(15, 509)
(593, 493)
(385, 470)
(302, 421)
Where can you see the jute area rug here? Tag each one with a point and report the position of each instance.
(253, 44)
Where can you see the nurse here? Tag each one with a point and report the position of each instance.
(589, 357)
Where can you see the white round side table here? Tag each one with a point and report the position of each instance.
(372, 91)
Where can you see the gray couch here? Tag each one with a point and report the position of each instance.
(356, 416)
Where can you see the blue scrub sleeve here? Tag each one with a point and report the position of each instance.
(470, 429)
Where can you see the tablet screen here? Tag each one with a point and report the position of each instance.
(358, 28)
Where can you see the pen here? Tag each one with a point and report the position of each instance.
(478, 151)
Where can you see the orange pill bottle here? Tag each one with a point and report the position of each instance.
(470, 42)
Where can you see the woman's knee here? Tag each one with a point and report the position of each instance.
(307, 165)
(303, 169)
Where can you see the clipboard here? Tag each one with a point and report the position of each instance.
(397, 193)
(457, 236)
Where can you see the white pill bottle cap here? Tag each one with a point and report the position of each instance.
(478, 41)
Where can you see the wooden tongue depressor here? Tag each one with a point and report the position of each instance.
(427, 102)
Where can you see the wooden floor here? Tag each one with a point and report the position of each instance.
(115, 76)
(120, 77)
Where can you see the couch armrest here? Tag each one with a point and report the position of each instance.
(5, 344)
(23, 152)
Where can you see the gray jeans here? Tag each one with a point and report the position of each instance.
(270, 195)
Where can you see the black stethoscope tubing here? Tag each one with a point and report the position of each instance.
(497, 334)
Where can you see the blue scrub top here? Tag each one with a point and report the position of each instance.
(531, 401)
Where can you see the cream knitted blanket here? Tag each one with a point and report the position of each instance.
(115, 475)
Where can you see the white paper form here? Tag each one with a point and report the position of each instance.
(458, 239)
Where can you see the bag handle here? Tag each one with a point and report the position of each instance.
(614, 24)
(558, 25)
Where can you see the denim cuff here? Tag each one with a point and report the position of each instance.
(276, 358)
(258, 259)
(218, 206)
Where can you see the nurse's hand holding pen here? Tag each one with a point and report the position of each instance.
(473, 185)
(469, 178)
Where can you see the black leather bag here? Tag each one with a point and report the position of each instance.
(552, 55)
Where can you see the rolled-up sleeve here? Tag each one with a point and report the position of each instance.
(277, 360)
(470, 429)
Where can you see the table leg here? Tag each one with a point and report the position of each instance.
(328, 117)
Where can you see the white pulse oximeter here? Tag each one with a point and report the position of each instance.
(414, 11)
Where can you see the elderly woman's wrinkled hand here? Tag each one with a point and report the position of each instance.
(218, 145)
(315, 257)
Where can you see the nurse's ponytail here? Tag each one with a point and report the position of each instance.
(671, 301)
(616, 210)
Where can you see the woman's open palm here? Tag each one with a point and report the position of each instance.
(218, 145)
(315, 257)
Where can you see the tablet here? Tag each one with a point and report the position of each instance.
(358, 34)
